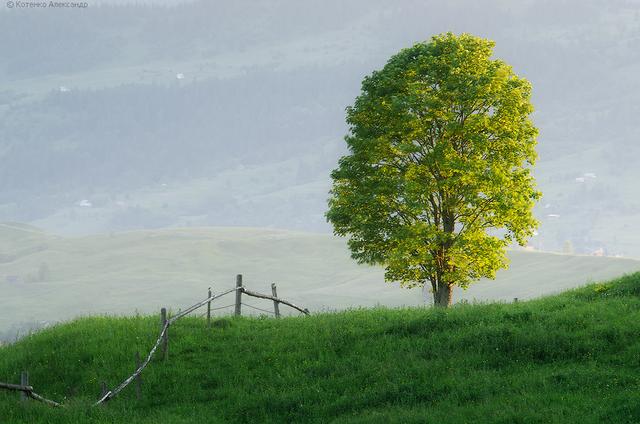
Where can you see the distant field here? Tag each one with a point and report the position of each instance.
(47, 278)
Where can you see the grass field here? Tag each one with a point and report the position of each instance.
(141, 271)
(569, 358)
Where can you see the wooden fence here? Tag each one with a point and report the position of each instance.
(162, 341)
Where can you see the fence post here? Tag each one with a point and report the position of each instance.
(238, 295)
(138, 377)
(165, 338)
(103, 389)
(209, 309)
(515, 300)
(24, 381)
(276, 305)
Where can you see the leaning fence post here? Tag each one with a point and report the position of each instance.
(138, 377)
(276, 305)
(24, 381)
(238, 294)
(209, 309)
(165, 338)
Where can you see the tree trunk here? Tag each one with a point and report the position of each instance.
(443, 295)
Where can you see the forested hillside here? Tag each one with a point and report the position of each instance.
(169, 116)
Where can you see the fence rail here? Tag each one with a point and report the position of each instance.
(275, 299)
(28, 390)
(163, 339)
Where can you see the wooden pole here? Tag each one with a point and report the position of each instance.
(165, 338)
(17, 387)
(138, 377)
(24, 381)
(209, 309)
(238, 311)
(28, 390)
(276, 305)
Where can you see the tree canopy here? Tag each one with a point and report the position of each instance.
(438, 182)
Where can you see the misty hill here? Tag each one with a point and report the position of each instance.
(563, 359)
(136, 116)
(44, 278)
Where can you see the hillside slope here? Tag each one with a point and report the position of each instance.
(568, 358)
(48, 278)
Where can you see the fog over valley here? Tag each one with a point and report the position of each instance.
(130, 116)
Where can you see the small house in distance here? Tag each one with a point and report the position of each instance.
(13, 279)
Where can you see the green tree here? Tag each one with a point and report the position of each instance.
(437, 181)
(567, 248)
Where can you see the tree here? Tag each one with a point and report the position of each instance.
(567, 248)
(437, 182)
(43, 272)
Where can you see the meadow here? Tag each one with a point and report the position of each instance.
(567, 358)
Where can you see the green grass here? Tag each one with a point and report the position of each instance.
(573, 357)
(143, 271)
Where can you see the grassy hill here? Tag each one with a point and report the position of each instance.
(568, 358)
(45, 278)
